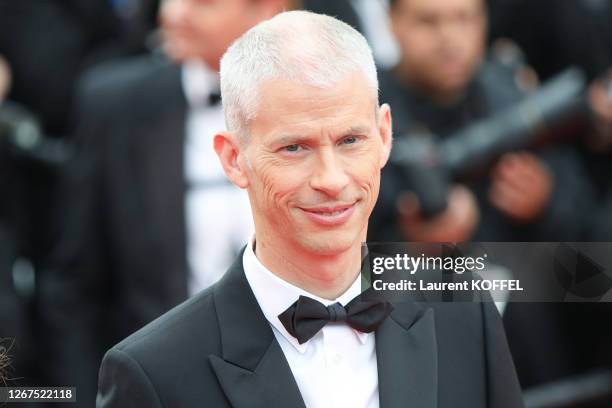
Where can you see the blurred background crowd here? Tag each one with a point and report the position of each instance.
(114, 208)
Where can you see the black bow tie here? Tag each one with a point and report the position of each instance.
(306, 316)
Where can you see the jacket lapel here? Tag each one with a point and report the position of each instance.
(406, 351)
(252, 369)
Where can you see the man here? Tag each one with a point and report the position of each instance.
(443, 83)
(148, 217)
(307, 140)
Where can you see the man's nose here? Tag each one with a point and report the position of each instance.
(329, 175)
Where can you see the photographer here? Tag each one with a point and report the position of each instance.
(443, 83)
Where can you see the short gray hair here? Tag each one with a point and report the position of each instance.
(314, 49)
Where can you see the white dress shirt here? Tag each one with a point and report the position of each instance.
(217, 214)
(334, 369)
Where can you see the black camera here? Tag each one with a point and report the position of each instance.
(429, 167)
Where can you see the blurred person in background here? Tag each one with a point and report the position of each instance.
(17, 281)
(147, 215)
(11, 315)
(49, 43)
(554, 35)
(12, 311)
(443, 82)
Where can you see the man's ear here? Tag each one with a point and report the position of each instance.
(228, 148)
(385, 129)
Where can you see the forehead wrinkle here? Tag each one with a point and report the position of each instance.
(308, 112)
(357, 130)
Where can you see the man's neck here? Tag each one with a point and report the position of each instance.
(326, 276)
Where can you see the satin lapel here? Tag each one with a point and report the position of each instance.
(407, 356)
(252, 369)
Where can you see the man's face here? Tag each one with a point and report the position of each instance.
(203, 29)
(442, 41)
(313, 162)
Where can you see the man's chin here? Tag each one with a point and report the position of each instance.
(453, 82)
(329, 243)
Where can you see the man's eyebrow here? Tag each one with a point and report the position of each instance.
(288, 139)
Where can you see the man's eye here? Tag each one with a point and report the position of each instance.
(292, 148)
(349, 140)
(428, 21)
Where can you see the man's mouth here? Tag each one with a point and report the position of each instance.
(330, 215)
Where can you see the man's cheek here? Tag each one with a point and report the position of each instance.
(370, 183)
(366, 170)
(276, 192)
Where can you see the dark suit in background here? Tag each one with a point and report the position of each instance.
(428, 355)
(120, 260)
(48, 45)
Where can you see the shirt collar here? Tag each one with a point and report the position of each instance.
(275, 295)
(198, 82)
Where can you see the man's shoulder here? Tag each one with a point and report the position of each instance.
(167, 360)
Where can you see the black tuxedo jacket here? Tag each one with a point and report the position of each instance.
(217, 350)
(120, 259)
